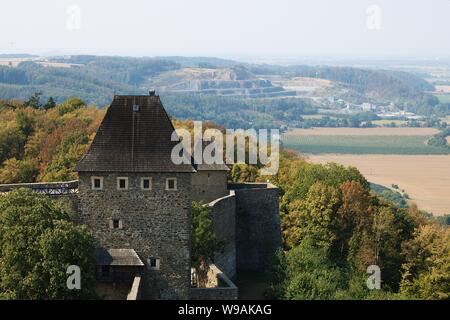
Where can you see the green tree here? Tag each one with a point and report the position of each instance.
(69, 153)
(12, 141)
(314, 217)
(37, 244)
(18, 171)
(50, 104)
(426, 272)
(307, 174)
(243, 173)
(205, 245)
(25, 122)
(34, 101)
(308, 273)
(70, 105)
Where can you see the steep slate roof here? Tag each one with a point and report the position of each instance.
(133, 141)
(117, 257)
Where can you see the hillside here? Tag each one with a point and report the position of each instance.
(376, 84)
(225, 91)
(234, 81)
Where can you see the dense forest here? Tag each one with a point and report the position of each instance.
(334, 227)
(381, 84)
(42, 142)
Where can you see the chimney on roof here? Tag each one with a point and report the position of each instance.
(152, 93)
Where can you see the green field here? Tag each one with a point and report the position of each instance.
(314, 116)
(410, 145)
(443, 98)
(382, 123)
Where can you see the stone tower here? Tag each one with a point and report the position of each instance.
(132, 195)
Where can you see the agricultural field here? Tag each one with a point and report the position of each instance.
(386, 157)
(443, 98)
(382, 123)
(446, 119)
(407, 141)
(312, 116)
(442, 89)
(424, 178)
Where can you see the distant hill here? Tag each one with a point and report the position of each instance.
(378, 84)
(16, 55)
(250, 90)
(234, 81)
(201, 62)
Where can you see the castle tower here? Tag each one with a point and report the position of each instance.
(133, 197)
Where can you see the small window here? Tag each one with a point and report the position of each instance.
(97, 183)
(153, 263)
(115, 224)
(122, 183)
(171, 184)
(146, 183)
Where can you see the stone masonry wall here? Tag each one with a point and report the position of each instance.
(223, 212)
(220, 287)
(155, 223)
(209, 185)
(258, 233)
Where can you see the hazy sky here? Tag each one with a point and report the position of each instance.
(228, 28)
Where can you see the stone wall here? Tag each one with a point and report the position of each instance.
(220, 287)
(155, 223)
(223, 212)
(209, 185)
(258, 232)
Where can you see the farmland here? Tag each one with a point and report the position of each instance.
(385, 156)
(444, 98)
(407, 141)
(385, 122)
(425, 178)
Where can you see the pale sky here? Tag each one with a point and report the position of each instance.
(228, 28)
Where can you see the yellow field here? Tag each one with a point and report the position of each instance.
(363, 132)
(426, 179)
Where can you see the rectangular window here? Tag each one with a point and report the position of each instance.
(97, 183)
(115, 224)
(146, 183)
(153, 263)
(122, 183)
(171, 184)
